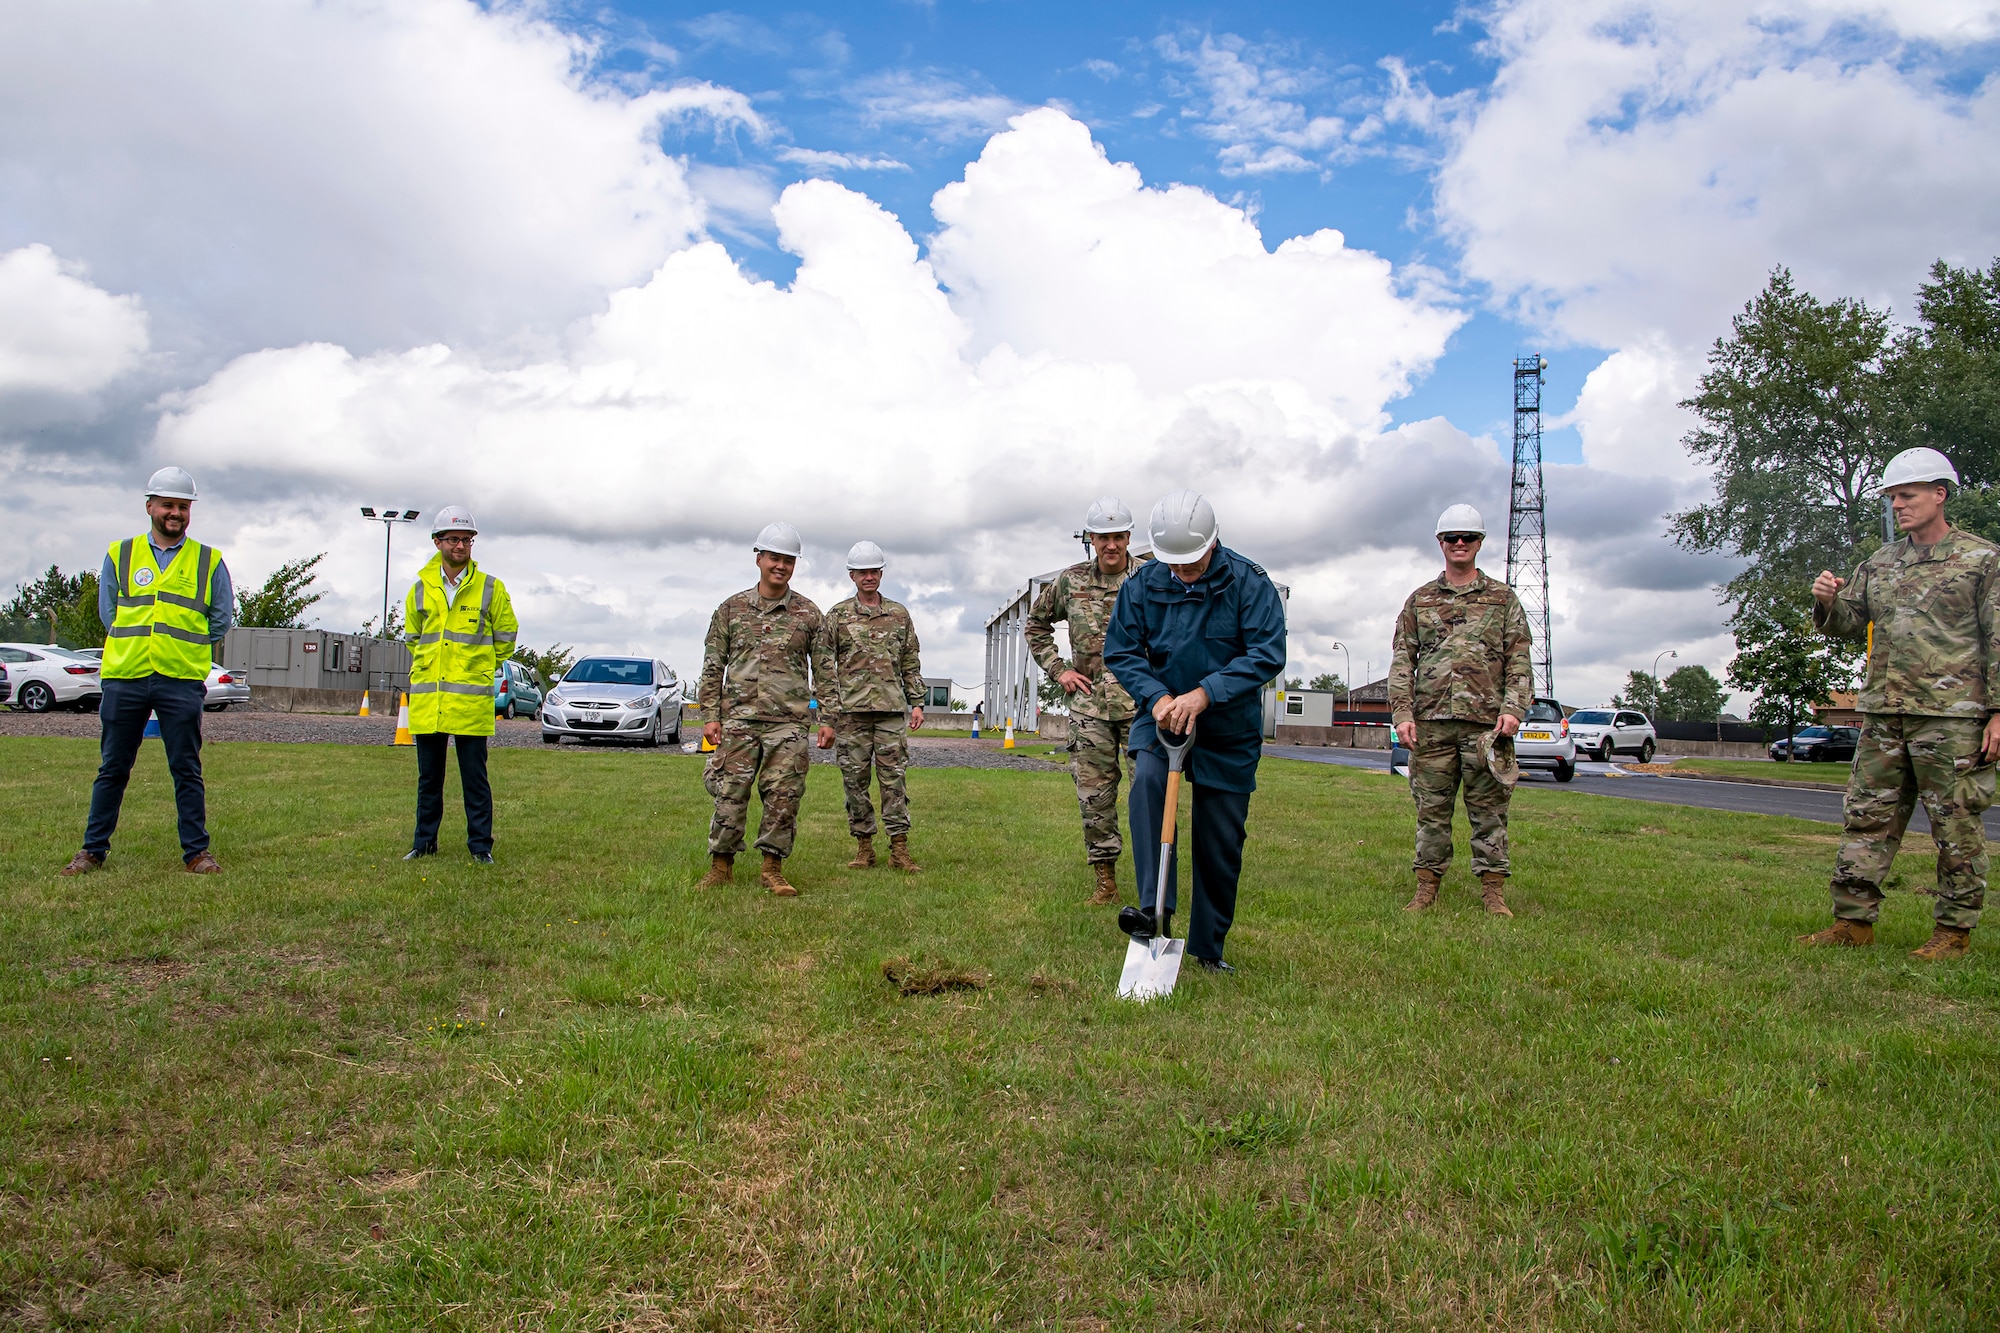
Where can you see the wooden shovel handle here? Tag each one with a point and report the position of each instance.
(1171, 812)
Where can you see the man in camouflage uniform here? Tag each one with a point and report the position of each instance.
(1929, 731)
(870, 682)
(755, 682)
(1100, 711)
(1459, 685)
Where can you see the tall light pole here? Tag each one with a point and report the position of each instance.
(388, 518)
(1664, 652)
(1347, 674)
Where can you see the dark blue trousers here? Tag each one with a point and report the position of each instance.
(1217, 839)
(472, 783)
(122, 718)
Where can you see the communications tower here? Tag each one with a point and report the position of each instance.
(1527, 532)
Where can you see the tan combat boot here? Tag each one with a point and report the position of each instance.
(864, 853)
(721, 869)
(774, 877)
(1107, 883)
(1427, 891)
(1852, 934)
(1945, 942)
(899, 854)
(1492, 892)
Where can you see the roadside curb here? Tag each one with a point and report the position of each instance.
(1741, 781)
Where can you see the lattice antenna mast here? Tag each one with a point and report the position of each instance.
(1527, 531)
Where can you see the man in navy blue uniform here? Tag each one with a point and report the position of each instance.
(1195, 637)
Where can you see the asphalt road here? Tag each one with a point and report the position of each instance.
(1594, 779)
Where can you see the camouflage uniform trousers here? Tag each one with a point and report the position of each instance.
(1901, 760)
(773, 755)
(877, 742)
(1095, 746)
(1448, 755)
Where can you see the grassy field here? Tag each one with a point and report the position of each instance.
(328, 1089)
(1833, 775)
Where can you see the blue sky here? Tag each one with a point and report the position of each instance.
(843, 79)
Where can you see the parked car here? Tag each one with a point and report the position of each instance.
(225, 688)
(1603, 732)
(6, 688)
(1819, 744)
(517, 691)
(1545, 741)
(45, 676)
(615, 698)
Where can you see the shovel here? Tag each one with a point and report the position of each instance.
(1152, 967)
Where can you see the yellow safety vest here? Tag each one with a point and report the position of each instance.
(161, 620)
(456, 647)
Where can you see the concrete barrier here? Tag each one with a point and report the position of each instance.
(1714, 750)
(1362, 737)
(286, 699)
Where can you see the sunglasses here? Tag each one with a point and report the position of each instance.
(1460, 538)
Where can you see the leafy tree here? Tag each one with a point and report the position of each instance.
(1794, 419)
(283, 599)
(1050, 692)
(1790, 666)
(1639, 693)
(63, 603)
(395, 630)
(1294, 683)
(1944, 373)
(1327, 680)
(1692, 694)
(552, 661)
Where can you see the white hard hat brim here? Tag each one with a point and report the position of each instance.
(1183, 558)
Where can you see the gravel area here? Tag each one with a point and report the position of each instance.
(338, 729)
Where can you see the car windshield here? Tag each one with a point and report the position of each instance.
(1813, 734)
(610, 671)
(1590, 719)
(1541, 712)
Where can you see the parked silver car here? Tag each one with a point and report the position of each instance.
(1545, 741)
(633, 699)
(1603, 732)
(225, 688)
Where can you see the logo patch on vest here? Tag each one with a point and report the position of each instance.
(144, 578)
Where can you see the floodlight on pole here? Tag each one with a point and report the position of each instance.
(388, 518)
(1664, 652)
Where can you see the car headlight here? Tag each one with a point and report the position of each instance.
(641, 703)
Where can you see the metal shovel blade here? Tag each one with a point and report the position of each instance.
(1150, 968)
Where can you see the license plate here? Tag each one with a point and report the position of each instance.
(1536, 736)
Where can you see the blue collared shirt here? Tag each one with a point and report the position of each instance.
(220, 616)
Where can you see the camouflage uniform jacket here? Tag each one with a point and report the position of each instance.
(1084, 597)
(865, 659)
(754, 663)
(1936, 611)
(1461, 653)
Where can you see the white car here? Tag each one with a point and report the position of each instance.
(225, 688)
(1544, 740)
(45, 676)
(615, 698)
(1603, 732)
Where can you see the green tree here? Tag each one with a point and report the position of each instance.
(552, 661)
(1794, 415)
(283, 599)
(1640, 693)
(58, 603)
(1944, 373)
(1050, 692)
(1790, 666)
(1692, 694)
(1328, 680)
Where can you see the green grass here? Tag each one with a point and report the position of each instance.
(1833, 775)
(327, 1089)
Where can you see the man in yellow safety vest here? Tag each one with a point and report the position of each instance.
(461, 627)
(165, 601)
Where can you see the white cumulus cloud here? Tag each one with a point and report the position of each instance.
(60, 336)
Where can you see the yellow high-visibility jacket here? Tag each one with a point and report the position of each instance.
(455, 649)
(161, 621)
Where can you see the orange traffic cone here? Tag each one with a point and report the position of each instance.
(1008, 743)
(403, 736)
(364, 705)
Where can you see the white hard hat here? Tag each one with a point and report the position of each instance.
(865, 555)
(1905, 469)
(174, 483)
(780, 539)
(1460, 518)
(1182, 528)
(1108, 514)
(453, 518)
